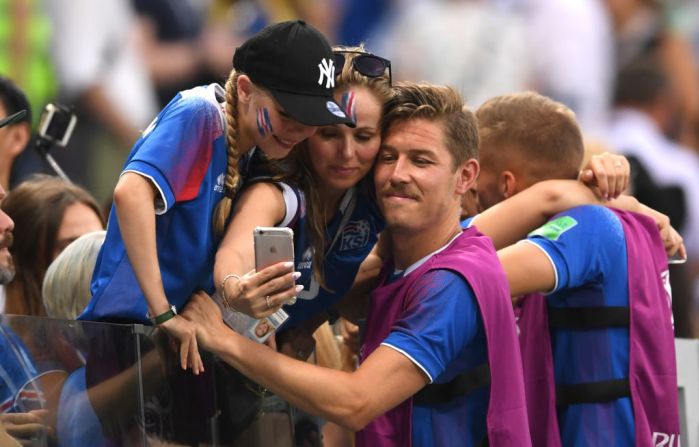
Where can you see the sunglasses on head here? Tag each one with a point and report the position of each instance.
(367, 64)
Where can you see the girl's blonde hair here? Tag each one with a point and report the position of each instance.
(223, 209)
(300, 169)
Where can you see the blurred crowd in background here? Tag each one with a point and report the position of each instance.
(628, 68)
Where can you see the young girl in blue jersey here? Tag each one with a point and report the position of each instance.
(337, 222)
(174, 196)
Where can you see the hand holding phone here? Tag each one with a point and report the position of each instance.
(272, 245)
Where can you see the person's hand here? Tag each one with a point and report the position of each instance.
(185, 333)
(260, 294)
(26, 428)
(296, 343)
(205, 316)
(350, 335)
(674, 245)
(607, 174)
(673, 242)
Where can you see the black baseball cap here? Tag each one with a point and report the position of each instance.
(14, 118)
(295, 63)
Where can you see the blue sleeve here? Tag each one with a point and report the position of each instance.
(578, 242)
(17, 372)
(176, 149)
(440, 320)
(466, 223)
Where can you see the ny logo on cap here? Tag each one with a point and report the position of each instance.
(327, 70)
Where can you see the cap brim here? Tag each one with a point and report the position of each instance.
(14, 118)
(312, 110)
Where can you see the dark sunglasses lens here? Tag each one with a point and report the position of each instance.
(369, 65)
(339, 61)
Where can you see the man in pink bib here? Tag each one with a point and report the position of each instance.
(598, 351)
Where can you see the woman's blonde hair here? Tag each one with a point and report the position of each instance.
(66, 288)
(300, 169)
(223, 210)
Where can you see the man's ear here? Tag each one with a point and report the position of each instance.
(245, 88)
(507, 183)
(18, 138)
(468, 173)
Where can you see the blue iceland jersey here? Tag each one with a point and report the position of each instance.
(19, 388)
(350, 236)
(183, 154)
(76, 422)
(444, 337)
(587, 248)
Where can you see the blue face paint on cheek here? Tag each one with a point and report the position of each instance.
(349, 104)
(264, 124)
(268, 122)
(260, 123)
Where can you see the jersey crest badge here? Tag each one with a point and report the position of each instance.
(355, 235)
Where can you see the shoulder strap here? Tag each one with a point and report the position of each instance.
(581, 318)
(465, 383)
(590, 318)
(592, 392)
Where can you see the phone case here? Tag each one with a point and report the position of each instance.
(273, 245)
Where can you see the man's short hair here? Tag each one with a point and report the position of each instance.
(544, 132)
(13, 98)
(435, 103)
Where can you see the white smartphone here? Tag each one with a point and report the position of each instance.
(273, 245)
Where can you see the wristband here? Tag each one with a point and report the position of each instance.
(163, 317)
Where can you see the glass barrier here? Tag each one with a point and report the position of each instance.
(100, 384)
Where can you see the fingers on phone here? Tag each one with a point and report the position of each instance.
(273, 271)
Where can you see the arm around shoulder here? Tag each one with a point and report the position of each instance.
(511, 220)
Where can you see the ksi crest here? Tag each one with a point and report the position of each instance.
(355, 235)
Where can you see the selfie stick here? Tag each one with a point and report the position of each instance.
(55, 127)
(43, 146)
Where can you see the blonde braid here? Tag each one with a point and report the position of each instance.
(223, 210)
